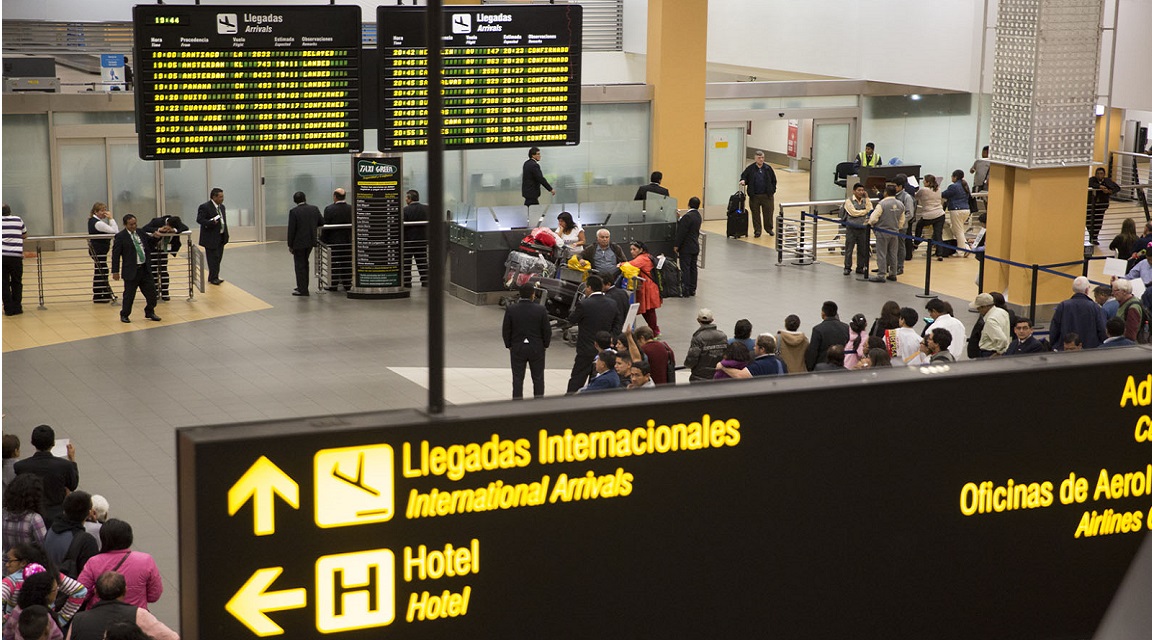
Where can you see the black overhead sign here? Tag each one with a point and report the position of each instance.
(258, 80)
(511, 76)
(1001, 499)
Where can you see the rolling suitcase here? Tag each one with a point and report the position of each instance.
(737, 216)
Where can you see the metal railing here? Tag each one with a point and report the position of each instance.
(333, 261)
(68, 270)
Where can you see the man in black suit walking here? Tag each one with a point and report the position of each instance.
(165, 227)
(533, 178)
(303, 221)
(213, 223)
(135, 248)
(339, 240)
(652, 187)
(527, 333)
(595, 313)
(687, 246)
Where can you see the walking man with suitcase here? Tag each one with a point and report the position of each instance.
(761, 182)
(687, 246)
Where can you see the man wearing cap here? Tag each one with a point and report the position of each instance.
(1080, 315)
(997, 326)
(706, 349)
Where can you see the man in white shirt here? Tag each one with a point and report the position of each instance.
(994, 339)
(943, 319)
(905, 341)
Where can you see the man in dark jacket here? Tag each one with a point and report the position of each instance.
(60, 475)
(303, 221)
(533, 179)
(67, 544)
(687, 246)
(604, 255)
(339, 241)
(651, 187)
(706, 349)
(761, 182)
(167, 229)
(135, 248)
(111, 587)
(415, 238)
(595, 313)
(213, 221)
(1080, 315)
(527, 334)
(829, 332)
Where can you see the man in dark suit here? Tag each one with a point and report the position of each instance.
(533, 179)
(622, 299)
(415, 238)
(166, 227)
(826, 334)
(595, 313)
(135, 249)
(527, 333)
(60, 475)
(339, 240)
(303, 221)
(651, 187)
(687, 246)
(213, 223)
(102, 225)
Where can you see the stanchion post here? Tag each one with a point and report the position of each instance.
(980, 275)
(1032, 302)
(39, 277)
(437, 230)
(927, 273)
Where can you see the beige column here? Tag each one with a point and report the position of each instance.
(677, 56)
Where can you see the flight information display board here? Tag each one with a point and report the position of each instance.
(247, 80)
(511, 77)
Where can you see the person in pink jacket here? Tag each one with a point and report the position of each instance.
(144, 584)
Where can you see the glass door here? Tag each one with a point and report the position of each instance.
(831, 145)
(723, 161)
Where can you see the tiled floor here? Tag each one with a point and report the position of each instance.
(121, 396)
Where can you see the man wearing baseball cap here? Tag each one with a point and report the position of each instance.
(997, 326)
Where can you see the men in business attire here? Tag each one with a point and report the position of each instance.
(651, 187)
(595, 313)
(415, 238)
(135, 249)
(60, 475)
(826, 334)
(687, 246)
(605, 377)
(101, 223)
(213, 221)
(527, 333)
(169, 244)
(303, 221)
(14, 232)
(533, 179)
(340, 240)
(1080, 315)
(761, 182)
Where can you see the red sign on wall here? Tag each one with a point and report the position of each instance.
(793, 138)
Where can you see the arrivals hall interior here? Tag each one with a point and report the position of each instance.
(690, 88)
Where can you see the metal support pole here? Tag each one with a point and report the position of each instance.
(980, 275)
(927, 273)
(437, 248)
(191, 269)
(1032, 302)
(39, 276)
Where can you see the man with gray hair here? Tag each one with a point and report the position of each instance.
(761, 182)
(604, 255)
(111, 587)
(1080, 315)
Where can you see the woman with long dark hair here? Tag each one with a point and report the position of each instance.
(889, 319)
(957, 195)
(571, 233)
(23, 506)
(647, 293)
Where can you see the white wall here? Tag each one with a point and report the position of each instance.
(121, 10)
(611, 67)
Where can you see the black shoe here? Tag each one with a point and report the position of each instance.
(876, 270)
(900, 272)
(847, 272)
(892, 278)
(217, 281)
(861, 272)
(165, 298)
(299, 293)
(770, 233)
(756, 236)
(153, 317)
(331, 288)
(125, 319)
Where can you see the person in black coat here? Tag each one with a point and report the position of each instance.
(651, 187)
(527, 333)
(103, 225)
(165, 227)
(687, 246)
(135, 248)
(303, 221)
(595, 313)
(213, 221)
(415, 238)
(339, 240)
(533, 179)
(829, 332)
(60, 475)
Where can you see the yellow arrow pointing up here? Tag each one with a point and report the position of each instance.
(262, 482)
(253, 600)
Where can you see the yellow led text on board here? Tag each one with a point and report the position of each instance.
(1139, 394)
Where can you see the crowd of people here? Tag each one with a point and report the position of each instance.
(70, 571)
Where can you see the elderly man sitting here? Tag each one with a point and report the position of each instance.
(605, 254)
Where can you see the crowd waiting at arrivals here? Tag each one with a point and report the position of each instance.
(70, 571)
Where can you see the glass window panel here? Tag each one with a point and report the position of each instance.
(185, 188)
(316, 176)
(26, 169)
(234, 176)
(94, 117)
(799, 102)
(133, 183)
(83, 181)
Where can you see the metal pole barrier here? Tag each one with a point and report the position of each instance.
(191, 270)
(436, 231)
(815, 233)
(39, 276)
(1032, 302)
(980, 275)
(927, 273)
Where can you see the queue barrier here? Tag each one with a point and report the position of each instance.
(331, 256)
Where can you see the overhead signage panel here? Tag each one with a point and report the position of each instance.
(237, 81)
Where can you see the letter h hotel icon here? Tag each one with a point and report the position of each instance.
(355, 590)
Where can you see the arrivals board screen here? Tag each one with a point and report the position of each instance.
(511, 77)
(247, 80)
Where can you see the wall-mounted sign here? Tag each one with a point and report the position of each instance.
(834, 506)
(240, 81)
(511, 76)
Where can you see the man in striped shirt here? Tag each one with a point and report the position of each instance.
(14, 232)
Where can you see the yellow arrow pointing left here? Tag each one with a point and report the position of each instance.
(263, 482)
(253, 600)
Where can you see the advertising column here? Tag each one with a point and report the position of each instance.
(377, 228)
